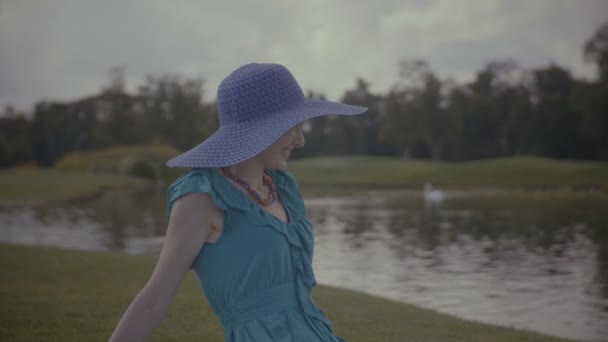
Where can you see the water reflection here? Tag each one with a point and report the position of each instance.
(123, 217)
(118, 220)
(356, 222)
(535, 263)
(532, 263)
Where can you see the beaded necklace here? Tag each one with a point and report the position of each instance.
(272, 195)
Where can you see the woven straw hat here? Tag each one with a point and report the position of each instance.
(257, 104)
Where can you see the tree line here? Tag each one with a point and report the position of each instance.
(505, 111)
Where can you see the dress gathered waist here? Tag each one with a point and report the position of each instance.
(265, 302)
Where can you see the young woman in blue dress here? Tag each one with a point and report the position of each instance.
(238, 219)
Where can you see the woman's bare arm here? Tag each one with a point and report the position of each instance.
(188, 229)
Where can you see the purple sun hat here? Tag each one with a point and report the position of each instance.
(257, 103)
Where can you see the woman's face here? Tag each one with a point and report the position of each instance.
(276, 155)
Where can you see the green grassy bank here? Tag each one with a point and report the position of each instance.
(333, 175)
(61, 295)
(517, 172)
(23, 185)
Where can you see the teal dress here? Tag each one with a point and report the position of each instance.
(258, 276)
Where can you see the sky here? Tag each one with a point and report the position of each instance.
(61, 50)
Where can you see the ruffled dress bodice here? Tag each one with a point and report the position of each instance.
(258, 276)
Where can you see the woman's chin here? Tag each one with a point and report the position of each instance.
(281, 165)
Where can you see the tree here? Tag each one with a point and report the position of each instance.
(491, 109)
(361, 131)
(54, 132)
(590, 97)
(14, 138)
(596, 51)
(174, 111)
(556, 123)
(416, 111)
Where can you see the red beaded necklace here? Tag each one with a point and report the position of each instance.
(272, 196)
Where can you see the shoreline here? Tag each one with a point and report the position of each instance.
(64, 290)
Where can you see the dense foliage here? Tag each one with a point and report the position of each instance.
(504, 111)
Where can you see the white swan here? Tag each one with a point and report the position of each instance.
(433, 195)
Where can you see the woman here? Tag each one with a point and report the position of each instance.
(238, 218)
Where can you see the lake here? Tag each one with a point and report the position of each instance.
(532, 260)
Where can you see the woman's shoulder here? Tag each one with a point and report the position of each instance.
(193, 193)
(197, 181)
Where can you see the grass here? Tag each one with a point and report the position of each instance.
(336, 175)
(517, 172)
(52, 294)
(22, 185)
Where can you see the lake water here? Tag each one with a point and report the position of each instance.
(533, 261)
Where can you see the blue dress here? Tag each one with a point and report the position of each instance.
(258, 276)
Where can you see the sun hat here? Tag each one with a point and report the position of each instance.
(257, 103)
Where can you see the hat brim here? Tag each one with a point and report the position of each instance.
(232, 144)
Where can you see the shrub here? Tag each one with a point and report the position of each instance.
(144, 169)
(146, 161)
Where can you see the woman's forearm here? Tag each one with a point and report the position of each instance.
(141, 318)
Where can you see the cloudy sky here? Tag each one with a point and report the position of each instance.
(62, 50)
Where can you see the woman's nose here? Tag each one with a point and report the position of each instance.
(299, 140)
